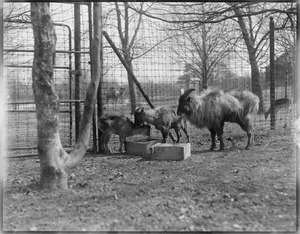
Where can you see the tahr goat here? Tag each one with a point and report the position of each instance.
(114, 94)
(282, 103)
(213, 107)
(163, 118)
(119, 124)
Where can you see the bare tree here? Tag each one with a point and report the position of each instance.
(15, 16)
(189, 15)
(206, 47)
(55, 162)
(250, 38)
(249, 16)
(255, 32)
(15, 12)
(127, 44)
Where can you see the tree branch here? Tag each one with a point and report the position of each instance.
(119, 24)
(147, 51)
(213, 15)
(137, 28)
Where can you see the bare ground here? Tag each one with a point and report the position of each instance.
(234, 190)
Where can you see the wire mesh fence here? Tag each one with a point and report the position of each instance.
(18, 60)
(158, 58)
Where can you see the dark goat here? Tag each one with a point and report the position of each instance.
(119, 124)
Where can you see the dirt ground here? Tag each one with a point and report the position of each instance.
(234, 190)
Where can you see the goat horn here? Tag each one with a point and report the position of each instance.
(187, 92)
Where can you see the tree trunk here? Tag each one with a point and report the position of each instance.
(126, 47)
(132, 89)
(53, 173)
(204, 57)
(204, 75)
(255, 81)
(55, 163)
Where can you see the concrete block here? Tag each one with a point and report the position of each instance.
(176, 152)
(140, 147)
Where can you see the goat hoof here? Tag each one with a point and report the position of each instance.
(247, 147)
(212, 149)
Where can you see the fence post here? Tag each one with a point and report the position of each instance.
(95, 125)
(77, 47)
(70, 87)
(272, 77)
(99, 94)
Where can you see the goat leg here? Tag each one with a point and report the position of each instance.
(220, 137)
(250, 138)
(246, 125)
(122, 139)
(101, 142)
(105, 144)
(186, 133)
(171, 136)
(165, 135)
(178, 133)
(213, 139)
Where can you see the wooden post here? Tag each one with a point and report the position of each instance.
(297, 100)
(77, 46)
(95, 125)
(272, 75)
(99, 94)
(297, 82)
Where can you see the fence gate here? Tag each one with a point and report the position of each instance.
(21, 115)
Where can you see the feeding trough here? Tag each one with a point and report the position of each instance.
(155, 150)
(140, 147)
(165, 151)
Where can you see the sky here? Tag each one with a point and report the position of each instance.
(159, 65)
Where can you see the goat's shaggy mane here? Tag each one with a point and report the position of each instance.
(248, 100)
(212, 107)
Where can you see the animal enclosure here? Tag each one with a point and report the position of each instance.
(160, 59)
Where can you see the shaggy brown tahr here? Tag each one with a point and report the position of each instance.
(282, 103)
(114, 94)
(213, 107)
(163, 118)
